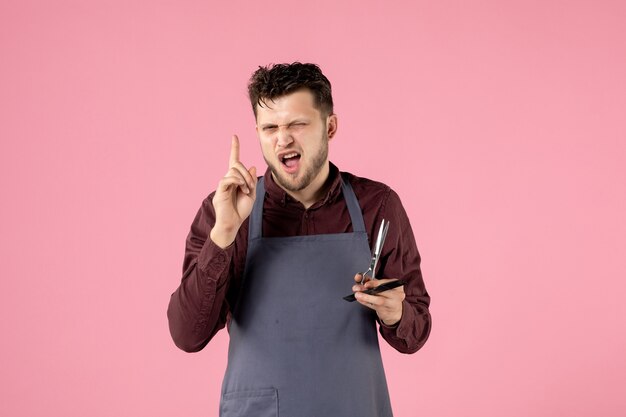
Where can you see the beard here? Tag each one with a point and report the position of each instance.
(315, 165)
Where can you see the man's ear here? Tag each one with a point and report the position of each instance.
(331, 126)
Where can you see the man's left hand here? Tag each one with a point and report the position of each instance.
(387, 304)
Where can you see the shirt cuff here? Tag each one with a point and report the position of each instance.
(213, 260)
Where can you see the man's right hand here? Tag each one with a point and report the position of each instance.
(233, 199)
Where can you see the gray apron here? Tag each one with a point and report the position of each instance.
(297, 349)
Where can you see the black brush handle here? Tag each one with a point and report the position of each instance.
(384, 287)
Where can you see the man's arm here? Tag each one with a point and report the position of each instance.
(402, 261)
(198, 308)
(403, 313)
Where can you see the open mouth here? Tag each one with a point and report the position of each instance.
(290, 160)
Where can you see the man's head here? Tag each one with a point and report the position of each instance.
(274, 81)
(294, 116)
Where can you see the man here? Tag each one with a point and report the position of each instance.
(272, 257)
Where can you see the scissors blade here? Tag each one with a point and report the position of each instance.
(378, 248)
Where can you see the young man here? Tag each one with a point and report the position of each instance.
(272, 257)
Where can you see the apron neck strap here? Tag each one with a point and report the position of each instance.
(356, 216)
(256, 217)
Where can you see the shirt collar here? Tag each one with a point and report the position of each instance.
(277, 194)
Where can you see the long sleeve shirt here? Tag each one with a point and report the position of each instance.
(201, 305)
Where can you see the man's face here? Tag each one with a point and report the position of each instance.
(294, 140)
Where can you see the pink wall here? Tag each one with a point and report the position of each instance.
(501, 125)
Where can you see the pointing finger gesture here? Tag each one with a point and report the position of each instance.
(234, 198)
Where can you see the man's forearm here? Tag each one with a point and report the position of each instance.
(410, 334)
(197, 310)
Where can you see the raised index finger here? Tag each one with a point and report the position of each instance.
(234, 151)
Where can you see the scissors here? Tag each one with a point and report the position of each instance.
(376, 250)
(371, 271)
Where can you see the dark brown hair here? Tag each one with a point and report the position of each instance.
(277, 80)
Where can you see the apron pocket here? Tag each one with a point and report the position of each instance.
(252, 403)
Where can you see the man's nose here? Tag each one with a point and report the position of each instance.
(283, 136)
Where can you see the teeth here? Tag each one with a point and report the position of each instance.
(289, 155)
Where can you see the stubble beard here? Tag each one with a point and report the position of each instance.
(317, 163)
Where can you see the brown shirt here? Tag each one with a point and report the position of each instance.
(211, 275)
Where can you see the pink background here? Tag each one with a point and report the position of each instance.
(501, 124)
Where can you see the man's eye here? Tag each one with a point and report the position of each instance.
(269, 128)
